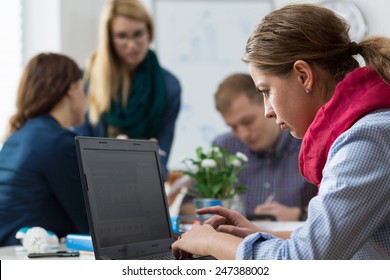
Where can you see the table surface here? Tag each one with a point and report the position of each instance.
(279, 226)
(17, 252)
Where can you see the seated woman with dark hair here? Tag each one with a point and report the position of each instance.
(39, 177)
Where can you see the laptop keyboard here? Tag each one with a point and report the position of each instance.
(163, 256)
(169, 256)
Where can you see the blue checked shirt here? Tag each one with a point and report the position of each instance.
(350, 218)
(275, 171)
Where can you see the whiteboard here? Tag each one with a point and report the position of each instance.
(201, 42)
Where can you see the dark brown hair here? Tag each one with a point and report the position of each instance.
(317, 36)
(232, 87)
(45, 81)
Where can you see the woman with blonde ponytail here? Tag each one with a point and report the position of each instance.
(302, 61)
(129, 93)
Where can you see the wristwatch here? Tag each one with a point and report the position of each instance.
(348, 10)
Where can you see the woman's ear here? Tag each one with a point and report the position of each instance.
(305, 74)
(72, 89)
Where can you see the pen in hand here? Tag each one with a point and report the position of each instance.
(269, 199)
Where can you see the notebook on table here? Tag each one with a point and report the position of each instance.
(125, 198)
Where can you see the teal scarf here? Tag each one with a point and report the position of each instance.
(142, 116)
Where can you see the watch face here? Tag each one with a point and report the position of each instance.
(352, 14)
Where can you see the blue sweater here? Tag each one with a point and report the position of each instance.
(167, 129)
(40, 181)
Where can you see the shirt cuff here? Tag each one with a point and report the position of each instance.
(245, 251)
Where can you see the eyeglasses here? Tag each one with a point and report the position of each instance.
(137, 37)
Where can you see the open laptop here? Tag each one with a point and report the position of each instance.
(125, 198)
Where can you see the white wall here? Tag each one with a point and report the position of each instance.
(79, 27)
(66, 26)
(376, 13)
(10, 58)
(41, 26)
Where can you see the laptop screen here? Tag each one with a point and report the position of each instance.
(128, 205)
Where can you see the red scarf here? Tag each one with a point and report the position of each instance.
(361, 92)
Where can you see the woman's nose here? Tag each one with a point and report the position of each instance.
(268, 111)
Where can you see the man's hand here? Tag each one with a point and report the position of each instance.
(279, 211)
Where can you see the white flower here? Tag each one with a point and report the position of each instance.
(217, 152)
(208, 163)
(236, 162)
(194, 169)
(242, 156)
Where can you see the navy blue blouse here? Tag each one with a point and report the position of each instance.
(40, 181)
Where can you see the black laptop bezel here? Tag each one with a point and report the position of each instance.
(125, 251)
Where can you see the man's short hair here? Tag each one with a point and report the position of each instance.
(234, 86)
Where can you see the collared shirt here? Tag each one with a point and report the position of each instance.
(350, 218)
(274, 171)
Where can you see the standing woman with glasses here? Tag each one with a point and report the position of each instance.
(129, 93)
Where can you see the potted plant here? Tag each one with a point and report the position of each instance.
(215, 176)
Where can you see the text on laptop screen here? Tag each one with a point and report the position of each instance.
(125, 184)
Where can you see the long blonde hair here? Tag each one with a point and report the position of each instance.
(317, 36)
(105, 71)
